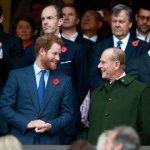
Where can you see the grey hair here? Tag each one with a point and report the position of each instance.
(102, 139)
(119, 55)
(121, 7)
(128, 137)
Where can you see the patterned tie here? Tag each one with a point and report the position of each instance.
(41, 88)
(119, 44)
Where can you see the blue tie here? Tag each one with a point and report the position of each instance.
(119, 44)
(41, 88)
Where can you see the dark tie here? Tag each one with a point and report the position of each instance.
(41, 88)
(119, 44)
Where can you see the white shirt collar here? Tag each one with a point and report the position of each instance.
(37, 69)
(141, 37)
(124, 74)
(37, 74)
(73, 37)
(112, 81)
(124, 41)
(93, 38)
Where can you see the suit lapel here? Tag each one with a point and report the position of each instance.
(129, 49)
(49, 91)
(31, 83)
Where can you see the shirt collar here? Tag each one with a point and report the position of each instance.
(73, 37)
(93, 38)
(124, 74)
(124, 41)
(37, 69)
(141, 37)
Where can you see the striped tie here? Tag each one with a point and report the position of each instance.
(119, 44)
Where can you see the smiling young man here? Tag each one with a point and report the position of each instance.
(37, 101)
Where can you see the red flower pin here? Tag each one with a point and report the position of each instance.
(56, 81)
(64, 49)
(135, 43)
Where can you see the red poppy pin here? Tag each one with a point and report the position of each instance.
(135, 43)
(56, 81)
(64, 49)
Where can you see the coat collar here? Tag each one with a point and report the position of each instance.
(126, 80)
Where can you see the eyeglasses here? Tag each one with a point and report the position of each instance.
(144, 18)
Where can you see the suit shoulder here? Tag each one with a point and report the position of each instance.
(71, 44)
(23, 69)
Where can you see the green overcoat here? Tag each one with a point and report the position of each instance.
(126, 102)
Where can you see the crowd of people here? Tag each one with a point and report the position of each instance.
(79, 77)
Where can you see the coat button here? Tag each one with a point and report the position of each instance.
(110, 99)
(122, 80)
(106, 114)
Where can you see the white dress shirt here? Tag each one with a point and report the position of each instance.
(124, 41)
(37, 71)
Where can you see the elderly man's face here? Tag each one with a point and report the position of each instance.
(110, 144)
(107, 66)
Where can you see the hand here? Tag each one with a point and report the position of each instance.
(35, 124)
(45, 127)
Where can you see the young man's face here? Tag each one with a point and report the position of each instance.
(143, 21)
(50, 22)
(50, 58)
(70, 18)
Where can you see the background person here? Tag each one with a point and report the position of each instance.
(10, 142)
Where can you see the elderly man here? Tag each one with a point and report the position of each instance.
(120, 138)
(121, 100)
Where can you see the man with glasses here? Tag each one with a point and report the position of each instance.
(142, 18)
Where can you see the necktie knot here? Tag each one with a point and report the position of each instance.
(119, 44)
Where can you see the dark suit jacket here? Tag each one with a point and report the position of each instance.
(12, 59)
(12, 51)
(72, 64)
(140, 69)
(19, 105)
(131, 52)
(87, 48)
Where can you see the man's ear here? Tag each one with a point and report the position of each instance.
(117, 64)
(1, 18)
(60, 22)
(42, 51)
